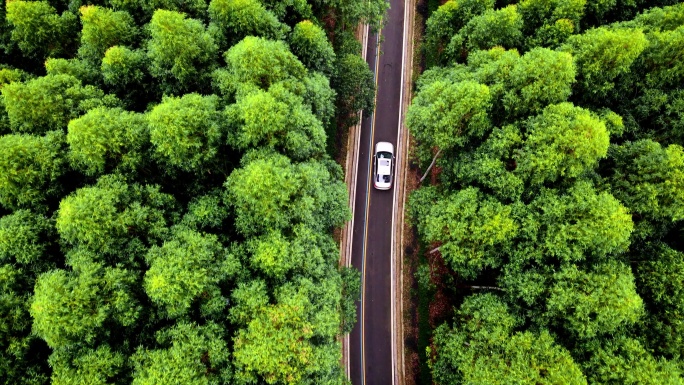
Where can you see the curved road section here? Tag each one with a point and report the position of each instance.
(372, 343)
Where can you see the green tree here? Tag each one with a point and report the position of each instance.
(187, 354)
(186, 131)
(144, 10)
(279, 343)
(658, 280)
(186, 269)
(658, 18)
(247, 300)
(594, 303)
(72, 307)
(624, 360)
(547, 23)
(648, 177)
(49, 102)
(88, 366)
(206, 211)
(597, 9)
(29, 168)
(275, 346)
(575, 225)
(482, 348)
(446, 22)
(501, 27)
(271, 193)
(23, 238)
(123, 66)
(489, 165)
(353, 81)
(125, 70)
(564, 141)
(320, 96)
(311, 45)
(180, 51)
(601, 55)
(236, 19)
(661, 60)
(349, 13)
(471, 230)
(78, 68)
(275, 119)
(289, 9)
(281, 256)
(113, 217)
(539, 78)
(107, 139)
(446, 115)
(38, 30)
(8, 76)
(351, 292)
(258, 63)
(103, 28)
(20, 361)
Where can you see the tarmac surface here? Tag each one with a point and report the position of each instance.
(370, 342)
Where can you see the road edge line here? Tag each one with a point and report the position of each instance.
(398, 361)
(351, 163)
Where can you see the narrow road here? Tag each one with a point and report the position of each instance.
(372, 359)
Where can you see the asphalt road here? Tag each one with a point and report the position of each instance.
(370, 341)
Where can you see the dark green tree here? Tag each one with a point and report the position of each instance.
(30, 168)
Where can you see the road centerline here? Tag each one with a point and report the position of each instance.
(367, 209)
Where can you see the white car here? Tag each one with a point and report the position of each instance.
(383, 165)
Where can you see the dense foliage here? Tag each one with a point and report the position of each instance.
(167, 203)
(556, 200)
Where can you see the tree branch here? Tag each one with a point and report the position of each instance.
(485, 288)
(431, 164)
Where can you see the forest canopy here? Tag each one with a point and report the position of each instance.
(168, 189)
(551, 222)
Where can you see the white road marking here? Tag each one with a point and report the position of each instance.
(393, 254)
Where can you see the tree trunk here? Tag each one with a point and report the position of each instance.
(484, 288)
(431, 164)
(436, 249)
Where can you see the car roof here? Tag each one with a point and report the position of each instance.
(384, 147)
(384, 166)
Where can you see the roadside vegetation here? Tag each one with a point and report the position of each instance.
(553, 134)
(167, 203)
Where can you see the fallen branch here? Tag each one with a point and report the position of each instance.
(431, 164)
(485, 288)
